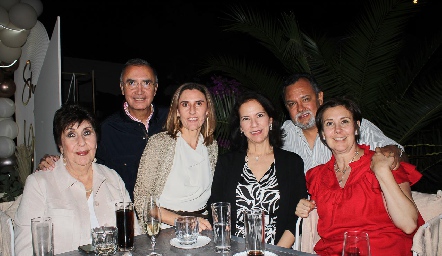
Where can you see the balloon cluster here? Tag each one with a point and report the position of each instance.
(8, 160)
(8, 128)
(17, 18)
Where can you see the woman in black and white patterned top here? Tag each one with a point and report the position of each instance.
(257, 174)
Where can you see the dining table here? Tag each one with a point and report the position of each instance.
(142, 246)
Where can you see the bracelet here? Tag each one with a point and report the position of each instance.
(402, 151)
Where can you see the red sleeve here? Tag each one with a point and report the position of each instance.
(407, 173)
(312, 178)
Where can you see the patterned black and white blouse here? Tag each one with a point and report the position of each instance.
(263, 195)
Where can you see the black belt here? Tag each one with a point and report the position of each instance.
(200, 213)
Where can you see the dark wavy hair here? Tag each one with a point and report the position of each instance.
(68, 115)
(295, 78)
(347, 103)
(238, 140)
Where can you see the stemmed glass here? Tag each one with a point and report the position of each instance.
(152, 219)
(356, 243)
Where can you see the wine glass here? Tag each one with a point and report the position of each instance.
(356, 243)
(152, 219)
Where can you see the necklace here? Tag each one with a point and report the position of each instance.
(258, 156)
(346, 167)
(88, 190)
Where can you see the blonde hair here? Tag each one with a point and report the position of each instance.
(173, 123)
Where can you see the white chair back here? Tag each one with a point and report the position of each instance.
(306, 242)
(297, 244)
(428, 238)
(7, 235)
(429, 205)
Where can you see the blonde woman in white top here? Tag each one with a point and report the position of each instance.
(178, 164)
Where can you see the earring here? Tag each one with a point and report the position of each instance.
(62, 157)
(271, 127)
(356, 132)
(95, 160)
(207, 126)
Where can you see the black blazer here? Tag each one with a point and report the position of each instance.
(291, 179)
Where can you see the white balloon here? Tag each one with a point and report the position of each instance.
(9, 54)
(13, 38)
(4, 17)
(14, 27)
(7, 4)
(23, 16)
(7, 107)
(36, 4)
(7, 147)
(8, 128)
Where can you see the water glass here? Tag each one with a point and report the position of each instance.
(356, 243)
(104, 240)
(124, 212)
(42, 239)
(187, 229)
(221, 226)
(254, 227)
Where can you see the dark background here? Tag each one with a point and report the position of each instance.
(173, 35)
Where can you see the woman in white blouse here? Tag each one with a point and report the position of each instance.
(78, 195)
(178, 164)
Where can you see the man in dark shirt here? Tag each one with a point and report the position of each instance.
(124, 134)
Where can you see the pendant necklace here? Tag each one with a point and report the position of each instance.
(345, 168)
(258, 156)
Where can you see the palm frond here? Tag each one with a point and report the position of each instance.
(224, 105)
(324, 63)
(250, 74)
(258, 25)
(293, 55)
(400, 119)
(380, 29)
(369, 56)
(418, 60)
(282, 38)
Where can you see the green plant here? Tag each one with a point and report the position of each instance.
(224, 92)
(394, 75)
(10, 185)
(13, 177)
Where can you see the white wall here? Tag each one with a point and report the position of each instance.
(48, 97)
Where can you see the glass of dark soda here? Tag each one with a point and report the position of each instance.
(124, 212)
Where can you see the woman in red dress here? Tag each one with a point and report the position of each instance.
(358, 188)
